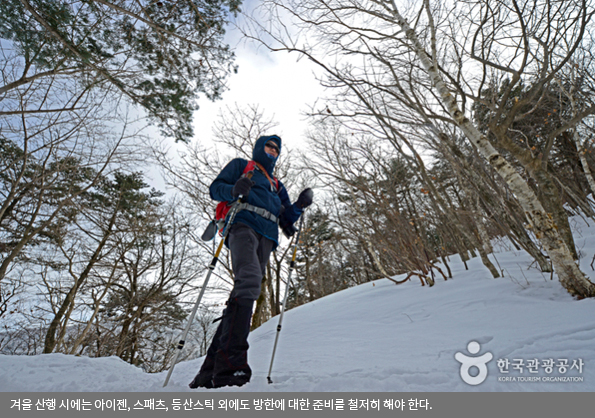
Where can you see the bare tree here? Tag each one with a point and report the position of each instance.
(437, 63)
(113, 202)
(50, 161)
(138, 318)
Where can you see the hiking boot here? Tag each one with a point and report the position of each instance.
(202, 381)
(231, 361)
(204, 378)
(237, 378)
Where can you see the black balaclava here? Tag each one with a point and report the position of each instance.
(260, 156)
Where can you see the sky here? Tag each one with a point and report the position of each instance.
(283, 85)
(523, 330)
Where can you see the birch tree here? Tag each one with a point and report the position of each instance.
(571, 277)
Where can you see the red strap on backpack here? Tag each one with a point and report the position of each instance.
(275, 186)
(223, 207)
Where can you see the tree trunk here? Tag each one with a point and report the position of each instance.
(528, 245)
(84, 333)
(575, 135)
(584, 162)
(50, 337)
(485, 247)
(482, 247)
(121, 349)
(62, 334)
(580, 202)
(364, 235)
(445, 262)
(482, 240)
(550, 198)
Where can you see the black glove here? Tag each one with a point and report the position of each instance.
(288, 230)
(305, 198)
(242, 187)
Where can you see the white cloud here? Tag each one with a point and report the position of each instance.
(281, 85)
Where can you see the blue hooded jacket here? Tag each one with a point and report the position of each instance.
(261, 194)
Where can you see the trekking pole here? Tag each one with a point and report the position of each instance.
(232, 214)
(291, 267)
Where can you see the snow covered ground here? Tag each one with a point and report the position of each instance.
(380, 337)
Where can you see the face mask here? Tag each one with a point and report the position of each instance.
(271, 145)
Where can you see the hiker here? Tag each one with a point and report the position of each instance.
(252, 236)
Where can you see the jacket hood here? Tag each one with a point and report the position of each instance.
(261, 157)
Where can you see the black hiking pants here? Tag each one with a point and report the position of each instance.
(226, 362)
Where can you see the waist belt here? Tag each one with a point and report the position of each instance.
(259, 211)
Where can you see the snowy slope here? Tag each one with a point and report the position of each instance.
(382, 337)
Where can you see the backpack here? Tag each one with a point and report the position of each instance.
(223, 207)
